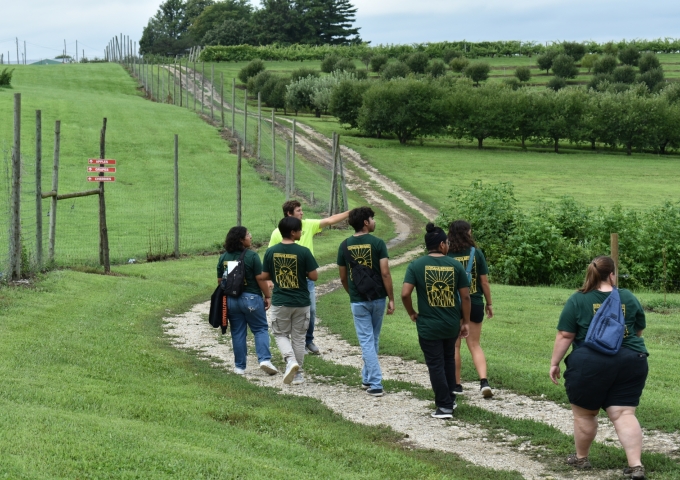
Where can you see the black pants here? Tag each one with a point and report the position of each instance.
(439, 357)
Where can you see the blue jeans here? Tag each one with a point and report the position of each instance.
(368, 318)
(311, 286)
(244, 311)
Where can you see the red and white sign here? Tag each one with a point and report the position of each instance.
(101, 161)
(101, 179)
(102, 169)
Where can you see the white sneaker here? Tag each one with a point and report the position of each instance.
(267, 367)
(291, 370)
(239, 371)
(298, 379)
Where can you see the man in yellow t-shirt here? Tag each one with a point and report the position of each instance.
(293, 208)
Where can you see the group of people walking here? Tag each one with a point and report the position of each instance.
(453, 297)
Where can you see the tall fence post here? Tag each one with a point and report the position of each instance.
(238, 184)
(222, 98)
(38, 191)
(233, 107)
(345, 202)
(615, 255)
(202, 87)
(245, 121)
(332, 204)
(273, 146)
(103, 230)
(55, 189)
(15, 203)
(212, 92)
(292, 159)
(287, 169)
(259, 126)
(195, 93)
(176, 196)
(181, 94)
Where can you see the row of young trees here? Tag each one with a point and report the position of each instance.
(181, 24)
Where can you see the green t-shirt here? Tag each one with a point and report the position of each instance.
(288, 265)
(253, 265)
(309, 229)
(437, 281)
(479, 267)
(580, 309)
(366, 250)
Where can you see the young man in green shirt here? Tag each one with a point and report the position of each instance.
(289, 266)
(443, 314)
(370, 251)
(310, 227)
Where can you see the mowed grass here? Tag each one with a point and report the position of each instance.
(90, 388)
(518, 344)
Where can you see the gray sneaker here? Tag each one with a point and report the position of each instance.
(313, 349)
(291, 370)
(637, 472)
(576, 462)
(298, 379)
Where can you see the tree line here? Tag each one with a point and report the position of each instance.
(181, 24)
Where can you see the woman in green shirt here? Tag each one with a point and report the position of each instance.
(594, 380)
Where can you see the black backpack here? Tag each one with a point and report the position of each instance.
(368, 283)
(232, 282)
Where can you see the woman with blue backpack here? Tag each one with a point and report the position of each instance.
(463, 248)
(607, 367)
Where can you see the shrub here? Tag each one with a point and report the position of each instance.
(600, 81)
(328, 63)
(652, 78)
(303, 72)
(346, 100)
(629, 55)
(589, 61)
(256, 83)
(513, 83)
(417, 62)
(574, 49)
(556, 83)
(458, 64)
(523, 73)
(624, 74)
(605, 65)
(6, 77)
(250, 70)
(437, 68)
(274, 92)
(450, 54)
(477, 71)
(362, 75)
(395, 70)
(378, 61)
(563, 66)
(545, 61)
(345, 65)
(648, 61)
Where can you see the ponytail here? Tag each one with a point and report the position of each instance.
(598, 271)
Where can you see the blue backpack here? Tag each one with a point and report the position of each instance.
(468, 268)
(606, 330)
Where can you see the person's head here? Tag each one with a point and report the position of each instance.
(601, 269)
(290, 228)
(435, 239)
(292, 208)
(237, 239)
(362, 217)
(460, 236)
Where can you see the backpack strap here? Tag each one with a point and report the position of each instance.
(468, 268)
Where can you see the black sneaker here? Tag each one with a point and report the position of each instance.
(375, 392)
(580, 463)
(458, 389)
(439, 413)
(365, 386)
(485, 389)
(637, 472)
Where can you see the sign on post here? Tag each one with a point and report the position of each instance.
(101, 161)
(101, 179)
(100, 171)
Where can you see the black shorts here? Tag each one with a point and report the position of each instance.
(476, 313)
(594, 380)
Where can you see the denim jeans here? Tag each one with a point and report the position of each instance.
(311, 286)
(247, 310)
(439, 357)
(368, 318)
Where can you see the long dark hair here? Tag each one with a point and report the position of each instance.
(233, 241)
(459, 236)
(598, 271)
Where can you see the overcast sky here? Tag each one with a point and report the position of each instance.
(44, 25)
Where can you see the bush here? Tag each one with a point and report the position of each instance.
(556, 83)
(523, 73)
(459, 64)
(513, 83)
(450, 54)
(6, 77)
(648, 61)
(256, 83)
(417, 62)
(274, 92)
(652, 78)
(345, 65)
(605, 65)
(362, 74)
(328, 63)
(395, 70)
(477, 71)
(437, 68)
(629, 56)
(303, 72)
(574, 49)
(589, 61)
(624, 74)
(563, 66)
(378, 61)
(250, 70)
(346, 100)
(545, 61)
(600, 81)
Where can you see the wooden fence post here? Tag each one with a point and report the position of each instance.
(238, 184)
(222, 98)
(615, 254)
(202, 87)
(345, 202)
(273, 146)
(15, 203)
(292, 160)
(181, 93)
(233, 106)
(332, 204)
(103, 230)
(176, 196)
(259, 126)
(287, 170)
(245, 121)
(55, 189)
(212, 92)
(195, 92)
(38, 190)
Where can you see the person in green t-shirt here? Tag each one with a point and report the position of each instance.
(289, 265)
(371, 252)
(293, 208)
(460, 245)
(248, 309)
(443, 313)
(594, 380)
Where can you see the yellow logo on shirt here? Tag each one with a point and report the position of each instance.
(361, 254)
(473, 282)
(440, 285)
(285, 269)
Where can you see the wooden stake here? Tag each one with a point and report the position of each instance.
(195, 93)
(222, 98)
(15, 203)
(212, 91)
(292, 160)
(615, 254)
(38, 190)
(238, 184)
(176, 196)
(103, 230)
(202, 86)
(233, 106)
(345, 202)
(259, 126)
(287, 170)
(245, 121)
(273, 146)
(181, 94)
(55, 189)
